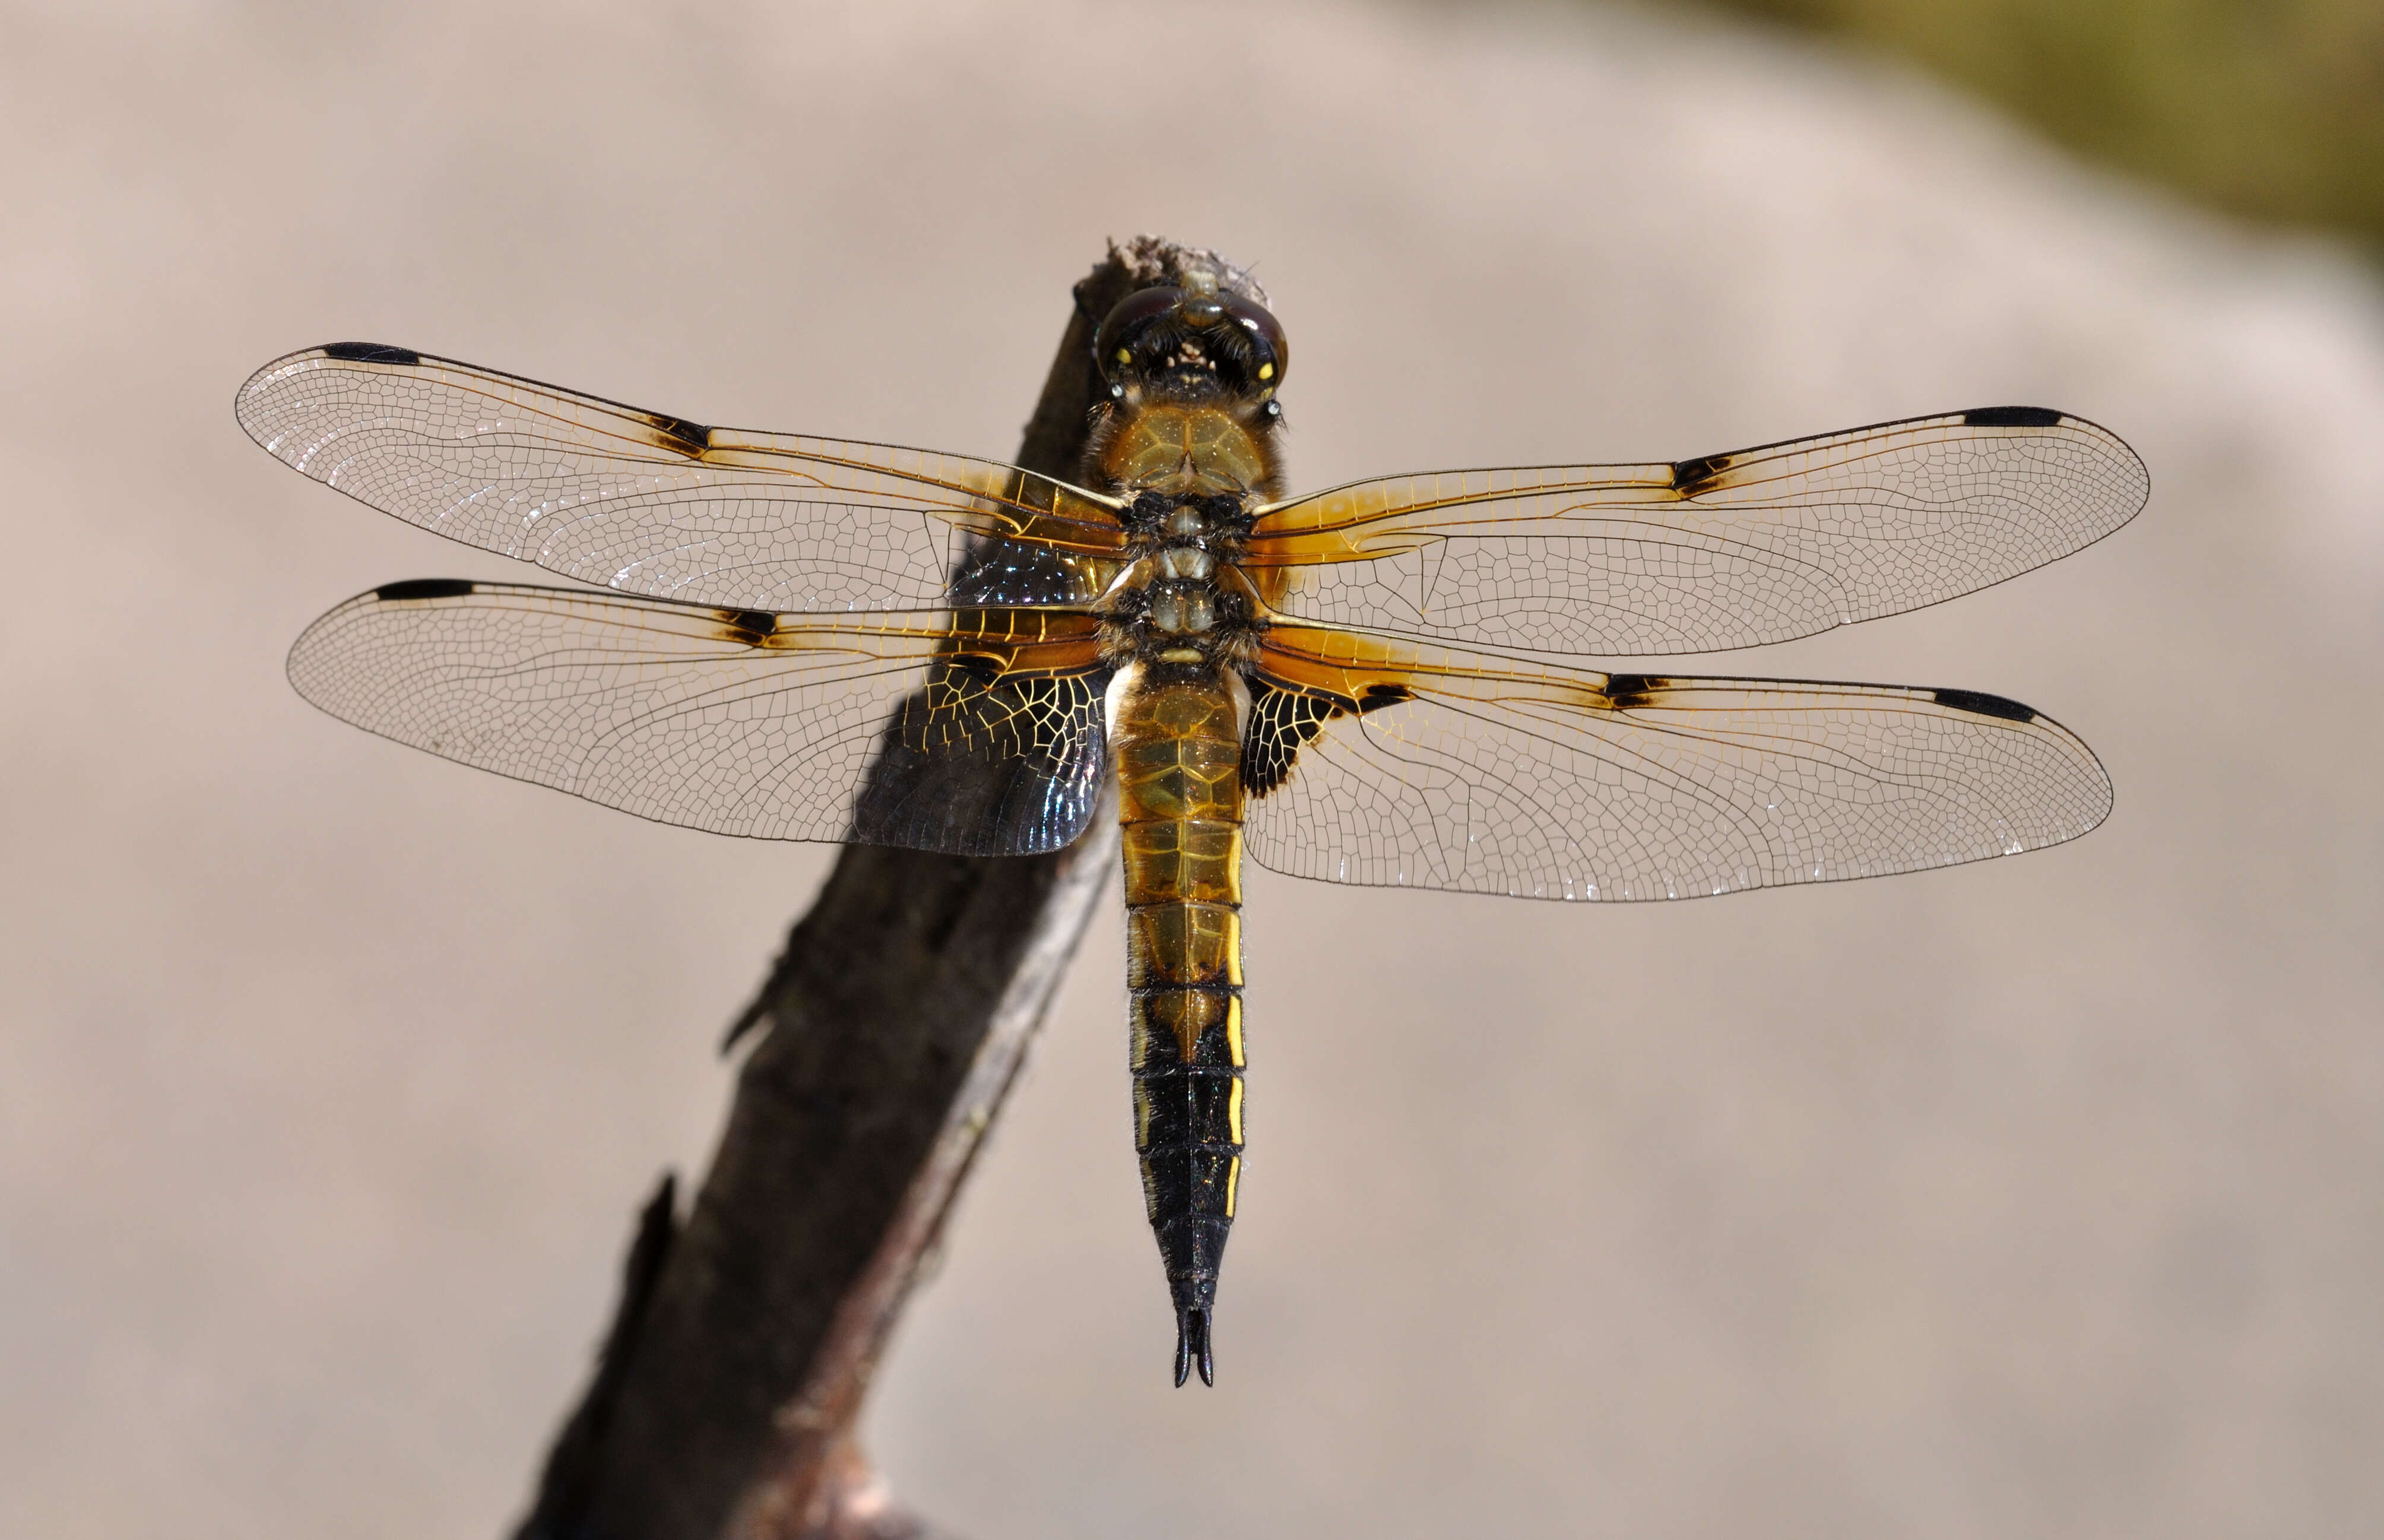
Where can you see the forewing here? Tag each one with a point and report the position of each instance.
(1726, 550)
(972, 732)
(1397, 765)
(649, 503)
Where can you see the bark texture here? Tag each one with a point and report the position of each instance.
(727, 1391)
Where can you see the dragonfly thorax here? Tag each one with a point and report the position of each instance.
(1180, 599)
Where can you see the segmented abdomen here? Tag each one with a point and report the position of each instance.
(1177, 744)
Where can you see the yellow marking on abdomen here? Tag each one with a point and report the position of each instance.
(1175, 733)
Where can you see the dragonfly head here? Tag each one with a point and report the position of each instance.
(1192, 341)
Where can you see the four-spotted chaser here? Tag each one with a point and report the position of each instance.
(813, 639)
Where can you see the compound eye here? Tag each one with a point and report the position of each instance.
(1269, 354)
(1114, 344)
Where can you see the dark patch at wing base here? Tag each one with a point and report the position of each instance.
(675, 713)
(1281, 721)
(1982, 704)
(2011, 416)
(371, 352)
(976, 766)
(422, 587)
(997, 571)
(1569, 784)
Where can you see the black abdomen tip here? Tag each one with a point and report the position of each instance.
(1192, 1345)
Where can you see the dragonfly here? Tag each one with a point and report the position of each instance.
(797, 638)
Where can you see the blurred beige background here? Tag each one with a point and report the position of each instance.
(2044, 1198)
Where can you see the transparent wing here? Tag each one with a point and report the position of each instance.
(1727, 551)
(972, 732)
(649, 504)
(1388, 763)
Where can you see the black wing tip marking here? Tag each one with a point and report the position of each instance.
(423, 588)
(370, 353)
(2011, 416)
(1980, 703)
(679, 434)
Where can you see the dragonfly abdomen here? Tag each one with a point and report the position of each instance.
(1175, 733)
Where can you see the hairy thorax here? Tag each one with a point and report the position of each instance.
(1193, 474)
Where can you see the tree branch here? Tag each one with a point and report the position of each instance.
(729, 1383)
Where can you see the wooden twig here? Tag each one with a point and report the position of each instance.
(728, 1387)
